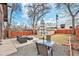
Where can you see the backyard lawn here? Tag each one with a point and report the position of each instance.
(58, 38)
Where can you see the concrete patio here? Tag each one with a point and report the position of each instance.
(30, 50)
(11, 47)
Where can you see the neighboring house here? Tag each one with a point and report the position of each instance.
(50, 26)
(3, 19)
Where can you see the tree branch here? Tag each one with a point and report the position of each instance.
(68, 6)
(76, 13)
(41, 16)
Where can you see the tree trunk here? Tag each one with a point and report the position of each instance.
(73, 26)
(33, 30)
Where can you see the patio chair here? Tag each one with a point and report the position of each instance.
(43, 50)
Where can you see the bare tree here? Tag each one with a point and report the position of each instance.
(13, 7)
(72, 9)
(36, 11)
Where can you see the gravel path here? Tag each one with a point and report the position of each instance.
(30, 50)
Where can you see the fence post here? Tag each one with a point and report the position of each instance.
(70, 45)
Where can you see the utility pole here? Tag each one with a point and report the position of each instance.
(56, 20)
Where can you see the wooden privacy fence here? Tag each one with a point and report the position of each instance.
(68, 31)
(14, 34)
(77, 34)
(64, 31)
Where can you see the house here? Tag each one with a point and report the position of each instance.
(3, 19)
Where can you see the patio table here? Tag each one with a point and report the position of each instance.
(47, 43)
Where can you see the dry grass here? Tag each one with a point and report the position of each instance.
(58, 38)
